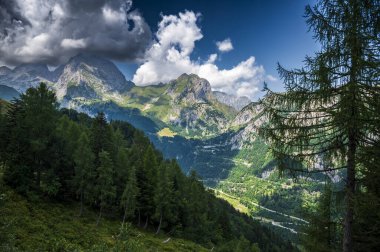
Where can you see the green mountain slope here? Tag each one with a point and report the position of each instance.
(52, 226)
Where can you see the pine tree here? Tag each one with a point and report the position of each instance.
(321, 233)
(84, 168)
(146, 177)
(31, 140)
(163, 198)
(100, 136)
(105, 187)
(129, 197)
(327, 111)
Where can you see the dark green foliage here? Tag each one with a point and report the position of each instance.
(84, 176)
(322, 232)
(104, 185)
(328, 115)
(31, 141)
(113, 168)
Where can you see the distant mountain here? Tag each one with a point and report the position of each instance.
(8, 93)
(186, 105)
(25, 76)
(90, 77)
(84, 76)
(233, 101)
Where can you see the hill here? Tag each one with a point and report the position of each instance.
(38, 225)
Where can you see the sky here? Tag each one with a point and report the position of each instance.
(235, 45)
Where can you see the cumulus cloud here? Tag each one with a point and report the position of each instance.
(51, 31)
(225, 45)
(169, 57)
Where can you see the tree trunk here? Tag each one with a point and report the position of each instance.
(38, 178)
(125, 214)
(139, 223)
(146, 222)
(350, 194)
(81, 203)
(159, 225)
(100, 215)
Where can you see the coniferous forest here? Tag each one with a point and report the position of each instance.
(112, 168)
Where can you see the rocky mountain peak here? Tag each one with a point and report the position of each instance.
(191, 88)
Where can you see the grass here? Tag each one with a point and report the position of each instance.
(46, 226)
(166, 132)
(233, 201)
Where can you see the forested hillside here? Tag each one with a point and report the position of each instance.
(53, 155)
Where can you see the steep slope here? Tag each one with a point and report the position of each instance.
(233, 101)
(61, 229)
(186, 105)
(90, 77)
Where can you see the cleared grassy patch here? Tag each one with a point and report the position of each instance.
(166, 132)
(235, 202)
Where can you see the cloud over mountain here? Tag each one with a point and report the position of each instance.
(51, 31)
(169, 57)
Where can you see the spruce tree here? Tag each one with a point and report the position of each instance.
(163, 198)
(327, 114)
(321, 233)
(100, 136)
(105, 187)
(129, 196)
(146, 176)
(84, 168)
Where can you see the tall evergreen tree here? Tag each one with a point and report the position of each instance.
(163, 198)
(105, 187)
(100, 136)
(146, 176)
(129, 196)
(321, 233)
(327, 111)
(84, 168)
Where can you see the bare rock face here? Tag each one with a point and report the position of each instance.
(89, 76)
(233, 101)
(247, 114)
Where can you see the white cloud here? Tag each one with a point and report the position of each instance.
(225, 45)
(169, 57)
(73, 43)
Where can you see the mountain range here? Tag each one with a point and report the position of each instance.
(211, 132)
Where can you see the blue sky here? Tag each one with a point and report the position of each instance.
(271, 31)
